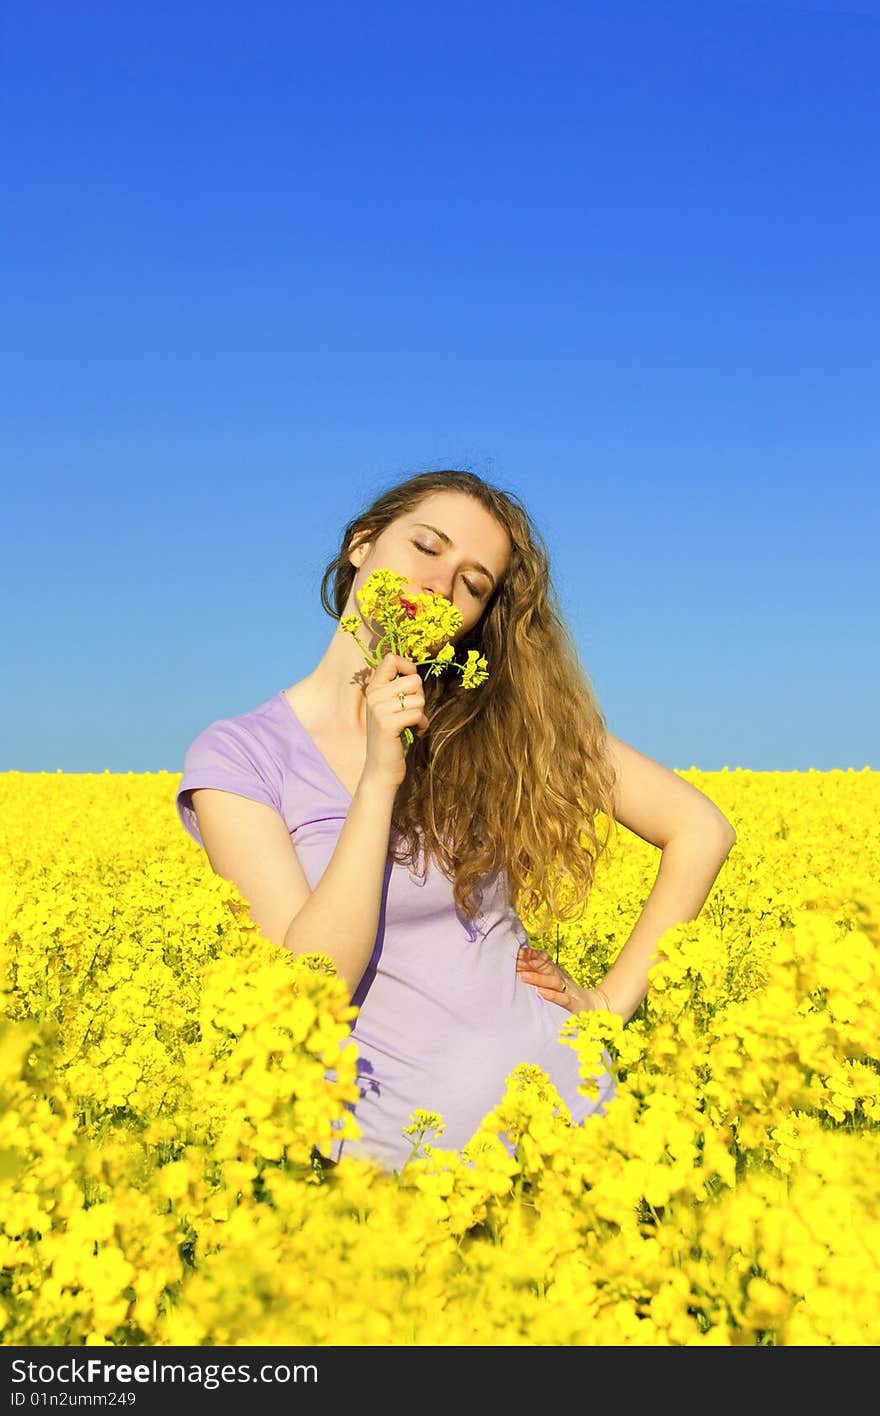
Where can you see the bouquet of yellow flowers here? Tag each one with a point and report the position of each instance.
(412, 627)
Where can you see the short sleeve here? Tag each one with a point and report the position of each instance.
(228, 756)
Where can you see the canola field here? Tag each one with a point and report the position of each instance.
(163, 1092)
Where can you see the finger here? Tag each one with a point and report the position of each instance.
(554, 995)
(538, 963)
(410, 687)
(537, 976)
(540, 981)
(402, 716)
(537, 956)
(390, 666)
(531, 975)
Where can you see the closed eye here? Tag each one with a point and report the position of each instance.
(426, 550)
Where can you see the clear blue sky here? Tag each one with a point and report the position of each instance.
(261, 260)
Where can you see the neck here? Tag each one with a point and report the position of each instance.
(337, 684)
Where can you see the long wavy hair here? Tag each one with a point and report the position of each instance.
(513, 775)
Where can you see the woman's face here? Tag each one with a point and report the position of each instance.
(448, 545)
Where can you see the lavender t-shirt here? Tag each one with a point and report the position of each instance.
(443, 1014)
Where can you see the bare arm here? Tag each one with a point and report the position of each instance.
(689, 866)
(694, 838)
(656, 803)
(341, 915)
(248, 842)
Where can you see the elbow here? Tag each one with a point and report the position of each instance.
(714, 831)
(726, 835)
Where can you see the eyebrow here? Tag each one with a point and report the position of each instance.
(446, 540)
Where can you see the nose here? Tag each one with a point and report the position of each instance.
(438, 577)
(439, 583)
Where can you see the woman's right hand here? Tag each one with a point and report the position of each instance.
(387, 718)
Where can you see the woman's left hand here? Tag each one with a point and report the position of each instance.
(552, 981)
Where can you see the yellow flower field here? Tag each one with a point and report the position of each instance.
(163, 1091)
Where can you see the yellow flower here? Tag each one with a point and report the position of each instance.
(726, 1198)
(475, 670)
(413, 627)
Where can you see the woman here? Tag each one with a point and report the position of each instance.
(406, 865)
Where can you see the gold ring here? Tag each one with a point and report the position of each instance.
(564, 987)
(402, 697)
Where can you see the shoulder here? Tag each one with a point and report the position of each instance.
(240, 754)
(256, 730)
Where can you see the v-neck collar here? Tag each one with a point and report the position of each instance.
(314, 746)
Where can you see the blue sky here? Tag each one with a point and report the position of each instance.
(261, 261)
